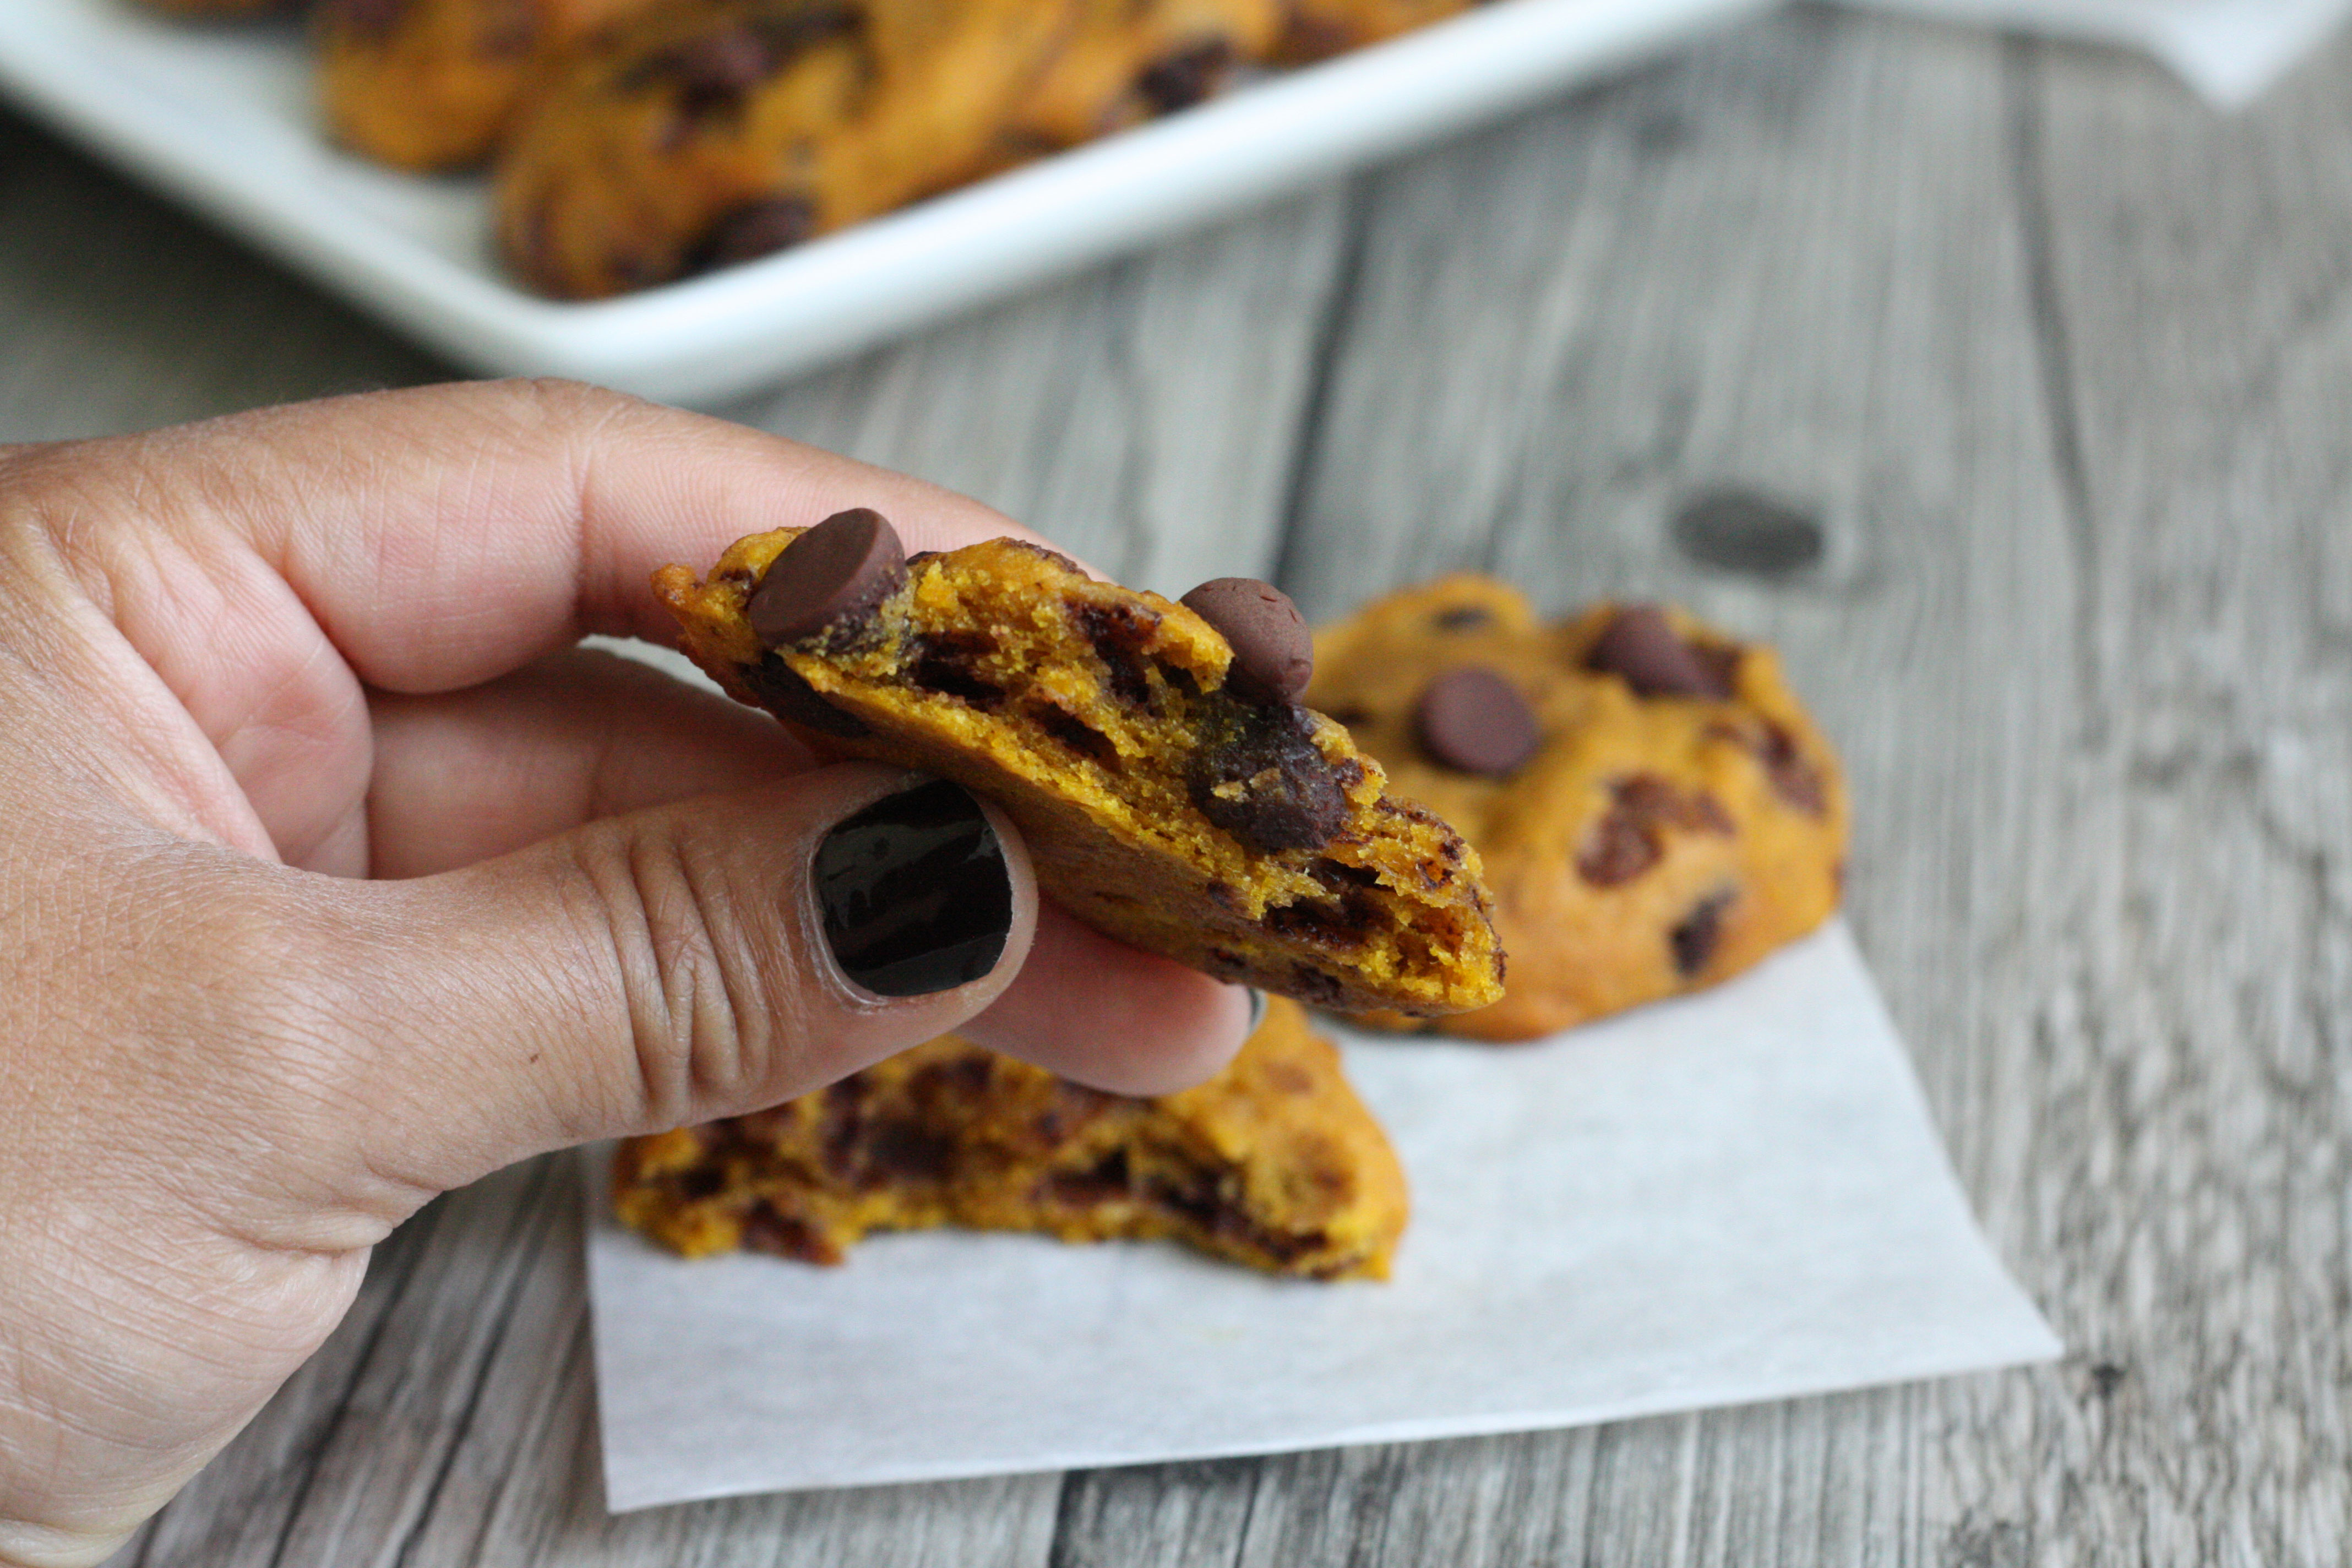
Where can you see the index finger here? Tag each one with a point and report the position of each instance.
(445, 535)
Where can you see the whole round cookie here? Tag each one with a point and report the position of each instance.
(708, 133)
(1655, 810)
(431, 84)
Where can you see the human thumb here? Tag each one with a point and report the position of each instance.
(688, 962)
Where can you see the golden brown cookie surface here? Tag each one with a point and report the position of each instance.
(1247, 839)
(1647, 834)
(1274, 1163)
(430, 84)
(711, 131)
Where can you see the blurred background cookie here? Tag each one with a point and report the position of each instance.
(430, 84)
(710, 132)
(1655, 810)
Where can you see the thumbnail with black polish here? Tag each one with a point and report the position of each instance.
(915, 893)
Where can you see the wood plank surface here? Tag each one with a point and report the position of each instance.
(1999, 383)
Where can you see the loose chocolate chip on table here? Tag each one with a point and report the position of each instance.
(1474, 719)
(1643, 646)
(1273, 653)
(1739, 531)
(834, 577)
(749, 232)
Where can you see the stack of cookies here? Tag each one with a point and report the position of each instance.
(1630, 803)
(638, 142)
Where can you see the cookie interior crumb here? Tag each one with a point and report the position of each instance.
(1273, 1163)
(1250, 839)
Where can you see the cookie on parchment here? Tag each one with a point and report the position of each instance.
(1655, 810)
(1274, 1163)
(1170, 791)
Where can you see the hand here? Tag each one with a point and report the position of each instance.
(333, 875)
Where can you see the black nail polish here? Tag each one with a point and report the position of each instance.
(915, 893)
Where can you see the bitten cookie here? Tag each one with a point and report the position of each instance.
(1655, 810)
(430, 84)
(1274, 1163)
(708, 133)
(1171, 792)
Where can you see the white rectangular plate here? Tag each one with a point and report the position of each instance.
(220, 118)
(1732, 1196)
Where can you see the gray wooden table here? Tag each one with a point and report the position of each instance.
(2051, 361)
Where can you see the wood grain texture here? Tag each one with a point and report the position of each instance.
(2054, 358)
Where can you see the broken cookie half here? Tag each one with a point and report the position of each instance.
(1274, 1163)
(1171, 792)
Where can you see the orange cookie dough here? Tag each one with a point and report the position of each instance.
(1181, 811)
(711, 131)
(430, 84)
(1274, 1163)
(1126, 62)
(1655, 810)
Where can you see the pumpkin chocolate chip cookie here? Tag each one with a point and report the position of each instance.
(430, 84)
(1655, 810)
(1274, 1163)
(1170, 791)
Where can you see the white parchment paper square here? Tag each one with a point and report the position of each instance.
(1734, 1196)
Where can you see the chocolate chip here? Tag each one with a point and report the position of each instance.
(1273, 653)
(756, 229)
(1119, 632)
(1640, 645)
(1694, 941)
(1630, 838)
(1185, 77)
(781, 691)
(716, 68)
(832, 578)
(786, 1236)
(1474, 719)
(1265, 782)
(1794, 777)
(1739, 531)
(1075, 733)
(948, 662)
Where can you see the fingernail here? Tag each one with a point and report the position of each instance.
(1257, 1009)
(915, 893)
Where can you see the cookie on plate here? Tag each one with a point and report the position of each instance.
(430, 84)
(708, 132)
(1170, 791)
(1318, 29)
(1274, 1163)
(1126, 62)
(1655, 810)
